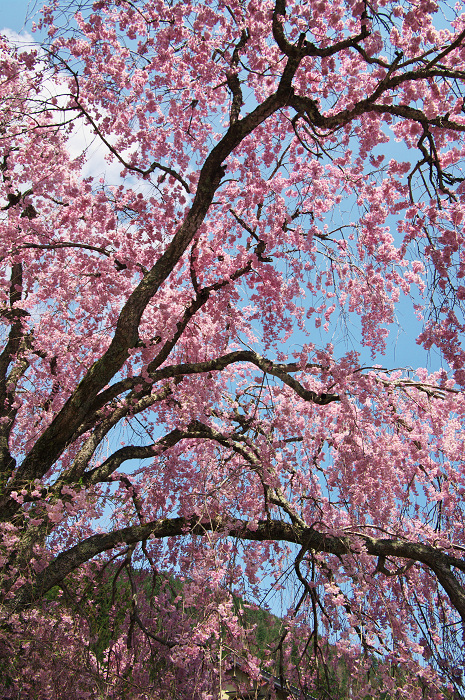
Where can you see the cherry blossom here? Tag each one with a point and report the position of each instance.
(183, 436)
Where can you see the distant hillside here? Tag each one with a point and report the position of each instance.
(119, 595)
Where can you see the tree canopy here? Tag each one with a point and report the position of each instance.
(191, 329)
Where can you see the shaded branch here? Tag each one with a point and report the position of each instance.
(8, 381)
(69, 244)
(233, 82)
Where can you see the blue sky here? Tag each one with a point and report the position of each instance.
(13, 14)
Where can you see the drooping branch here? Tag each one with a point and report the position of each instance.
(134, 168)
(279, 370)
(435, 559)
(112, 463)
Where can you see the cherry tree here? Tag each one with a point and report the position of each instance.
(178, 423)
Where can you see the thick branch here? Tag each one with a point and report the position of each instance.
(269, 530)
(50, 445)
